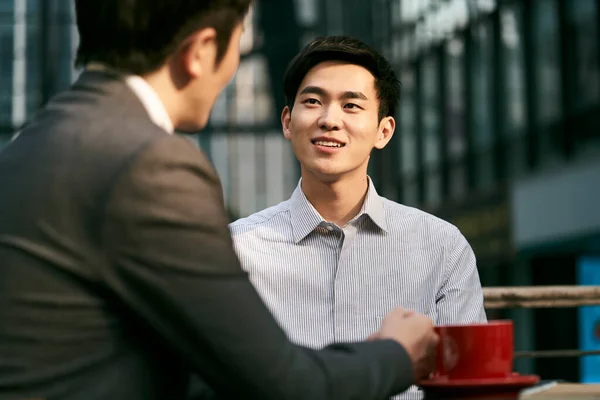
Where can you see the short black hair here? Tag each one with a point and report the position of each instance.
(138, 36)
(350, 50)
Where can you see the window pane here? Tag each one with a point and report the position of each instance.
(220, 156)
(517, 156)
(63, 48)
(433, 187)
(33, 53)
(484, 170)
(407, 123)
(455, 102)
(582, 25)
(307, 11)
(547, 74)
(511, 19)
(482, 96)
(458, 180)
(280, 171)
(410, 192)
(7, 57)
(430, 109)
(430, 127)
(248, 99)
(252, 101)
(220, 109)
(396, 43)
(481, 92)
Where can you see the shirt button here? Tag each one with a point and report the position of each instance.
(329, 228)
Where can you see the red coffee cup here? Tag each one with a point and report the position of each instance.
(474, 351)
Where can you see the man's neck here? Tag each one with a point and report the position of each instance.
(339, 201)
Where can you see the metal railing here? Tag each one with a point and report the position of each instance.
(543, 297)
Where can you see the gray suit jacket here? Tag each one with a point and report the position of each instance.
(118, 279)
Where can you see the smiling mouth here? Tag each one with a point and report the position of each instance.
(327, 144)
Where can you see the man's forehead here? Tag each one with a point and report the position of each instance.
(339, 77)
(333, 66)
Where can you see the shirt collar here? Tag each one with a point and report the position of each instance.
(305, 218)
(374, 208)
(147, 96)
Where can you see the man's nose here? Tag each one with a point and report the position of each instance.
(331, 119)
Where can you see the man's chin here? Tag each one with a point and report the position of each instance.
(330, 173)
(327, 175)
(190, 128)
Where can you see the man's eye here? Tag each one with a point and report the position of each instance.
(311, 101)
(352, 106)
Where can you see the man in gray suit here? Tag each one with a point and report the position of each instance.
(118, 279)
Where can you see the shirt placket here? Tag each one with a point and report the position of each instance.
(344, 299)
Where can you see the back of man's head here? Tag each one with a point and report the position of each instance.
(138, 36)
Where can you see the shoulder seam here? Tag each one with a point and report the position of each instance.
(236, 224)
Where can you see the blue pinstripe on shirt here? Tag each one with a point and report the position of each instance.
(325, 283)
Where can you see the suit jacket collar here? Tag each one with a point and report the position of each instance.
(130, 93)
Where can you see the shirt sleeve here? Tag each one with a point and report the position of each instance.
(460, 299)
(170, 260)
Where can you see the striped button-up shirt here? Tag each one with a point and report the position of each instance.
(326, 283)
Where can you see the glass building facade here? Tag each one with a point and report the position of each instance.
(38, 39)
(497, 95)
(498, 132)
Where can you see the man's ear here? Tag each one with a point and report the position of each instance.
(385, 132)
(286, 118)
(199, 52)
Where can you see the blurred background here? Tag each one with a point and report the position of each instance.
(498, 129)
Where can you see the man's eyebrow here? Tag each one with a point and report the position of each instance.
(346, 95)
(313, 90)
(354, 95)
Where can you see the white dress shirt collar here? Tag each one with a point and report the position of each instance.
(305, 218)
(147, 96)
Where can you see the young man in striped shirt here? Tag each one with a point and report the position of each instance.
(332, 260)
